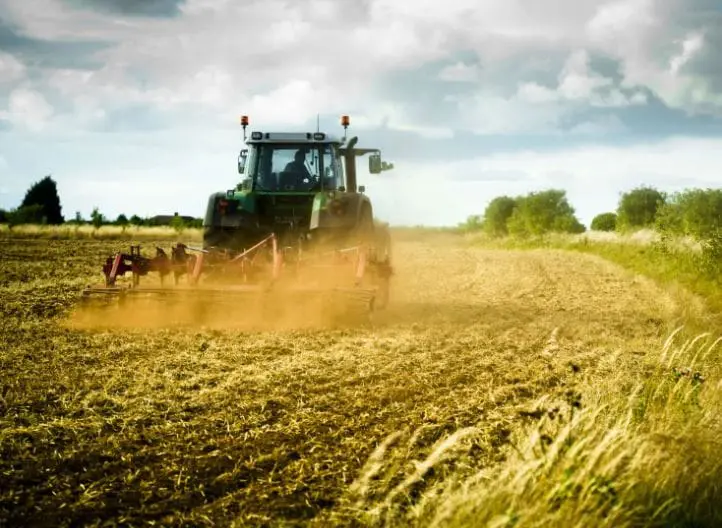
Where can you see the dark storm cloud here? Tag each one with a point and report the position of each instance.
(41, 53)
(143, 8)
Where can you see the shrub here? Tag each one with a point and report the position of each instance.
(604, 222)
(543, 212)
(638, 207)
(497, 214)
(693, 212)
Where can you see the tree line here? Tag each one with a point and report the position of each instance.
(693, 212)
(41, 205)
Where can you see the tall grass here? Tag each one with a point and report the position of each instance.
(107, 232)
(638, 449)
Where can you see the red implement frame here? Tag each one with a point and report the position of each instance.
(253, 265)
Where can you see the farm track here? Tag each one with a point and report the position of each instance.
(197, 425)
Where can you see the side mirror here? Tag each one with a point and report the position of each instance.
(375, 163)
(242, 156)
(376, 166)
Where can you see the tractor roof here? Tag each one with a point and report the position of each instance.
(258, 137)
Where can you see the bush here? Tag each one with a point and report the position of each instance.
(711, 255)
(543, 212)
(97, 218)
(604, 222)
(638, 207)
(693, 212)
(497, 214)
(473, 223)
(29, 214)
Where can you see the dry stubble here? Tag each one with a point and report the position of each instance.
(202, 424)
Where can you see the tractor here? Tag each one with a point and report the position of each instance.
(296, 222)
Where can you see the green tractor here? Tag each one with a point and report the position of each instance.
(296, 222)
(301, 188)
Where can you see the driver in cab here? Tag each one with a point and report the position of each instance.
(298, 168)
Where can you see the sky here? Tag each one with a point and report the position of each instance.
(133, 105)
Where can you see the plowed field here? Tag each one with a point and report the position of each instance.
(202, 426)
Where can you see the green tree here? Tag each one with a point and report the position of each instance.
(177, 223)
(136, 220)
(604, 222)
(3, 216)
(196, 223)
(638, 207)
(497, 214)
(472, 223)
(97, 218)
(29, 214)
(122, 220)
(543, 212)
(45, 194)
(698, 212)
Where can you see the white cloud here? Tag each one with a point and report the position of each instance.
(460, 72)
(653, 48)
(690, 47)
(11, 69)
(27, 109)
(578, 84)
(283, 62)
(576, 81)
(325, 55)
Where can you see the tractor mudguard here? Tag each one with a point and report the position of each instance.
(341, 210)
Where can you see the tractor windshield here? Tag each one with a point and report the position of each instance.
(295, 168)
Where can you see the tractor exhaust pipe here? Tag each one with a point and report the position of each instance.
(350, 162)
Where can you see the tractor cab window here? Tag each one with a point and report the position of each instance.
(296, 168)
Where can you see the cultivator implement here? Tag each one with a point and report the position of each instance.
(266, 280)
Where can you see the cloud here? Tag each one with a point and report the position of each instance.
(519, 53)
(577, 83)
(27, 109)
(462, 90)
(150, 8)
(44, 52)
(11, 69)
(691, 45)
(460, 72)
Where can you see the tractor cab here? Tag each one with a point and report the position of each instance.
(302, 162)
(279, 162)
(292, 184)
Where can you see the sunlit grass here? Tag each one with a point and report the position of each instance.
(106, 232)
(638, 449)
